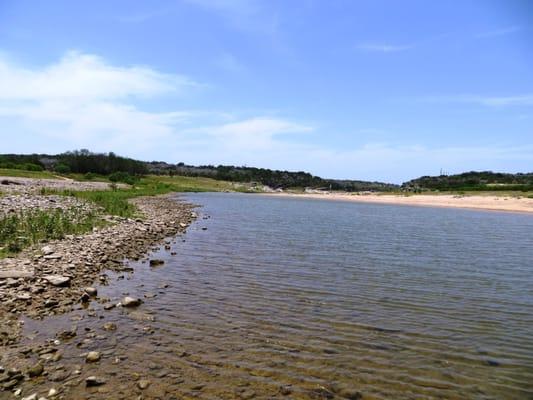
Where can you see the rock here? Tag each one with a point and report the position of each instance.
(285, 390)
(49, 303)
(10, 384)
(91, 291)
(110, 326)
(155, 262)
(30, 397)
(23, 296)
(67, 334)
(131, 302)
(57, 280)
(109, 306)
(351, 394)
(143, 384)
(13, 372)
(36, 370)
(85, 298)
(92, 381)
(59, 376)
(52, 392)
(92, 356)
(47, 250)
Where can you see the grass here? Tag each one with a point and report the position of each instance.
(20, 230)
(115, 202)
(19, 173)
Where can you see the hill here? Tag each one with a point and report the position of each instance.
(473, 180)
(126, 169)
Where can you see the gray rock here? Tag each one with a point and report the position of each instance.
(131, 302)
(36, 370)
(57, 280)
(91, 291)
(155, 262)
(91, 381)
(47, 250)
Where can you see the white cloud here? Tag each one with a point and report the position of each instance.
(83, 77)
(383, 47)
(82, 101)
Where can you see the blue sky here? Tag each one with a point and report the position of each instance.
(381, 90)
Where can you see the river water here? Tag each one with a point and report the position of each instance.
(272, 297)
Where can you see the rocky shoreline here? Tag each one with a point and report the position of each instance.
(53, 278)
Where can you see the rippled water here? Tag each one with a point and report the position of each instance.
(298, 298)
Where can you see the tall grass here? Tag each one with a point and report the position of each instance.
(23, 229)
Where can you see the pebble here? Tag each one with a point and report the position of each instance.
(110, 326)
(92, 381)
(143, 384)
(93, 356)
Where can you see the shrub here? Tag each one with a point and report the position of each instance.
(62, 168)
(31, 167)
(123, 177)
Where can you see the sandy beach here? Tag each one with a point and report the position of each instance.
(479, 202)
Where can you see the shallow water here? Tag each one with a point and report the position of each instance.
(300, 298)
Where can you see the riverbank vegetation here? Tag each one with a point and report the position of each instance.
(22, 229)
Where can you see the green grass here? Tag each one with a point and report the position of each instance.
(194, 184)
(19, 173)
(20, 230)
(115, 202)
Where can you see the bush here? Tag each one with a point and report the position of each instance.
(31, 167)
(89, 176)
(123, 177)
(62, 168)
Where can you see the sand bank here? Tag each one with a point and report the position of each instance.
(481, 202)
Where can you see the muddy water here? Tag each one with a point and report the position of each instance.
(307, 299)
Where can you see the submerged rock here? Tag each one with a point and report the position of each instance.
(155, 262)
(131, 302)
(93, 356)
(36, 370)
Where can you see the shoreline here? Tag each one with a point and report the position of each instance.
(471, 202)
(31, 281)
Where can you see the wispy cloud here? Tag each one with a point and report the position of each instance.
(142, 16)
(230, 63)
(383, 47)
(248, 15)
(498, 32)
(490, 101)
